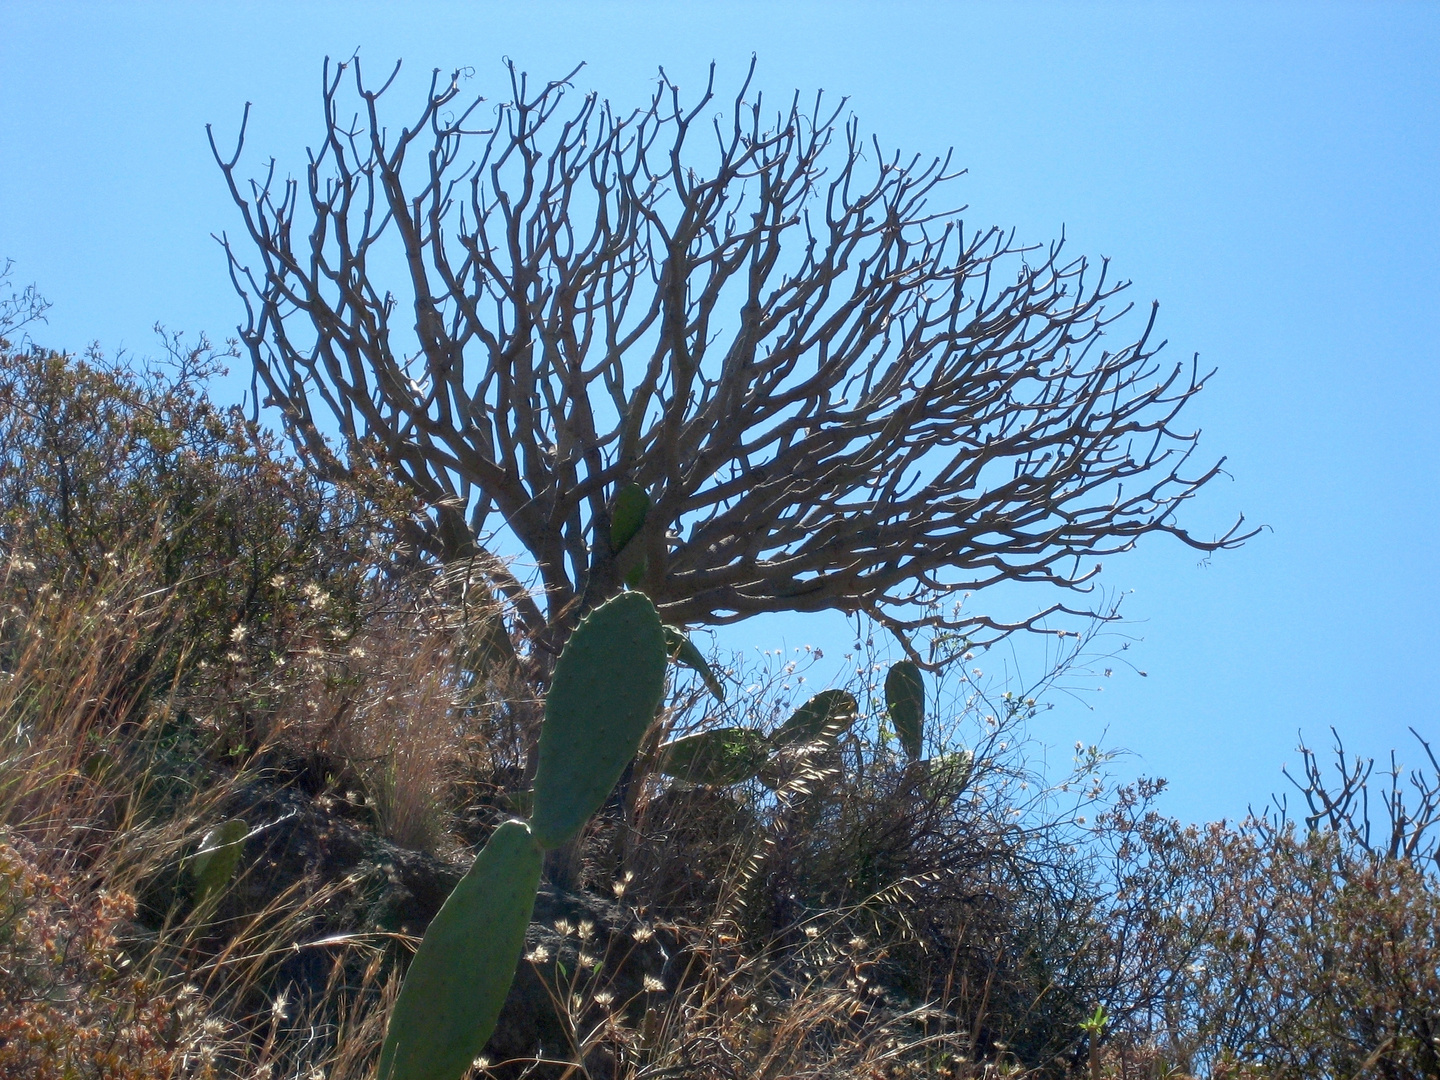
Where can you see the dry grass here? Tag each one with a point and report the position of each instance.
(858, 923)
(401, 711)
(870, 917)
(104, 793)
(388, 718)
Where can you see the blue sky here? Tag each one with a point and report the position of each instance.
(1270, 173)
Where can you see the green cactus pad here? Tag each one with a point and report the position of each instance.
(683, 651)
(946, 776)
(607, 687)
(717, 757)
(462, 970)
(826, 715)
(627, 516)
(905, 698)
(214, 864)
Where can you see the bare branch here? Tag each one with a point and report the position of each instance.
(835, 394)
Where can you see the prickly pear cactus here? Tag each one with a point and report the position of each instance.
(683, 651)
(827, 714)
(905, 697)
(212, 867)
(717, 757)
(627, 516)
(607, 687)
(462, 971)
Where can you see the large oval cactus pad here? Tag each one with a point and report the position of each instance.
(607, 687)
(905, 697)
(683, 651)
(462, 971)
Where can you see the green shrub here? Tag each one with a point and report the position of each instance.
(258, 560)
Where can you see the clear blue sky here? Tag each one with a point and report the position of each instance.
(1270, 173)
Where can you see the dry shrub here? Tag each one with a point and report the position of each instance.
(413, 709)
(107, 784)
(390, 718)
(1273, 946)
(965, 875)
(812, 1010)
(72, 1005)
(195, 614)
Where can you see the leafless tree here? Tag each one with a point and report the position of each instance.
(833, 394)
(1340, 804)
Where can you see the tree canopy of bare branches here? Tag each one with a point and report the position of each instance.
(833, 394)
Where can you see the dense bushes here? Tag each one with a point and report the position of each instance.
(98, 461)
(1275, 946)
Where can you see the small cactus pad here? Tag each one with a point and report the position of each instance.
(946, 776)
(627, 515)
(214, 864)
(683, 651)
(905, 698)
(825, 715)
(462, 970)
(607, 687)
(716, 757)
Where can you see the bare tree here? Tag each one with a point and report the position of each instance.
(833, 395)
(1341, 805)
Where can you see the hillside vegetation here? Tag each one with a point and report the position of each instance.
(196, 631)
